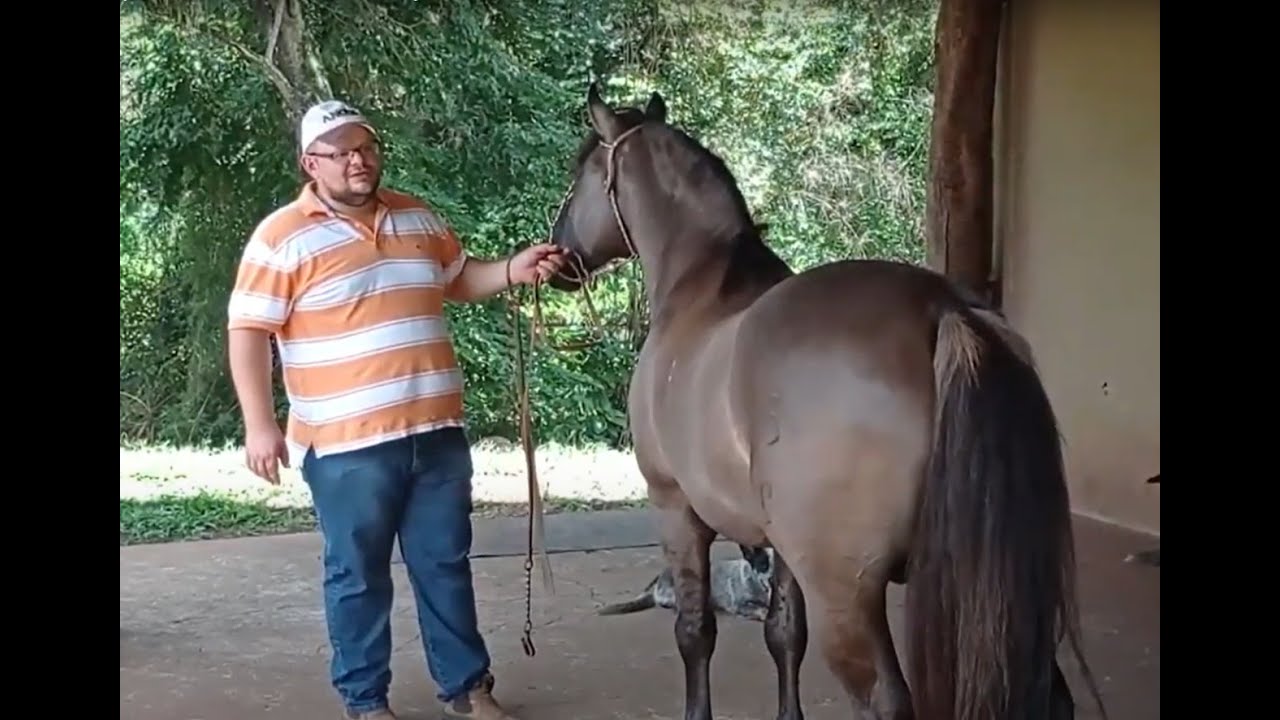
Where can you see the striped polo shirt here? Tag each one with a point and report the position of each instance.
(358, 318)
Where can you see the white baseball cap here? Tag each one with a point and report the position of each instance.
(328, 115)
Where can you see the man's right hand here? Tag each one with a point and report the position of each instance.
(264, 448)
(265, 451)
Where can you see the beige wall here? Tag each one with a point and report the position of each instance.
(1078, 234)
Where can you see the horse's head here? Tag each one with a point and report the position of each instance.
(589, 225)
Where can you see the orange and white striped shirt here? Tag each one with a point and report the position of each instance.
(358, 319)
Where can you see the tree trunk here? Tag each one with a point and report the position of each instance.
(289, 53)
(959, 225)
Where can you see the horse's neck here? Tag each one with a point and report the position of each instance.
(700, 256)
(753, 268)
(698, 274)
(683, 280)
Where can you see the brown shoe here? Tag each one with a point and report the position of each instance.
(478, 704)
(383, 714)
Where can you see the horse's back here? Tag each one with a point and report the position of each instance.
(853, 290)
(869, 319)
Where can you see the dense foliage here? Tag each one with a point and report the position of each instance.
(820, 109)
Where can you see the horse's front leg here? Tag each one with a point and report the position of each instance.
(686, 543)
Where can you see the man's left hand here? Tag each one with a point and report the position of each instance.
(538, 262)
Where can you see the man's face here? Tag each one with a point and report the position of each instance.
(346, 163)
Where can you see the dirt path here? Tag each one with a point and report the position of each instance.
(233, 630)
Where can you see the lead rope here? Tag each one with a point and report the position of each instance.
(536, 529)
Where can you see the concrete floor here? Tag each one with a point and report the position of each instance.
(233, 630)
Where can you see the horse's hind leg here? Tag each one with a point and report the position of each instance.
(848, 614)
(686, 543)
(787, 636)
(891, 696)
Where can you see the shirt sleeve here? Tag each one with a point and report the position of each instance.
(452, 257)
(263, 290)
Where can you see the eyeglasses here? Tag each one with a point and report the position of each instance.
(371, 149)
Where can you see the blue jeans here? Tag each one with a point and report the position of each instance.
(418, 488)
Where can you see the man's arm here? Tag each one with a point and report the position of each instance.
(478, 280)
(249, 351)
(258, 307)
(482, 279)
(472, 279)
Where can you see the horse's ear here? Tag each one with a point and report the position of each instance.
(602, 116)
(656, 109)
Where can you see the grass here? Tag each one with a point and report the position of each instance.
(203, 516)
(176, 494)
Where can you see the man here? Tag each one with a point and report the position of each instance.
(351, 279)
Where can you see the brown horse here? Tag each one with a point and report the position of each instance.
(866, 419)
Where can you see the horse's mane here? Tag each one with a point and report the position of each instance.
(752, 263)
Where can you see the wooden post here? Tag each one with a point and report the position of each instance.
(959, 225)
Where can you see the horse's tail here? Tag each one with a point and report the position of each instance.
(991, 589)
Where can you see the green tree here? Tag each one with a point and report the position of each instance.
(821, 110)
